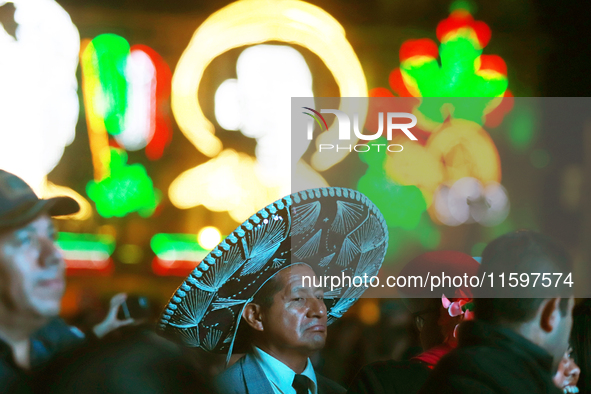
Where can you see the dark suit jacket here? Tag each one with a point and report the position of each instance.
(247, 377)
(492, 360)
(390, 377)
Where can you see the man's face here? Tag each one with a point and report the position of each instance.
(32, 279)
(559, 340)
(568, 373)
(297, 317)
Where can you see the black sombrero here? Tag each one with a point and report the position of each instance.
(334, 230)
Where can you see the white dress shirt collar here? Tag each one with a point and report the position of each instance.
(280, 375)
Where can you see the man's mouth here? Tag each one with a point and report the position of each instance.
(317, 328)
(54, 284)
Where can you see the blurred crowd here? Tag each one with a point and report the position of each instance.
(521, 341)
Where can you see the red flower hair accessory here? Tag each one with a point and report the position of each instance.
(461, 306)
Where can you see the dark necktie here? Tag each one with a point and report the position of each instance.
(301, 384)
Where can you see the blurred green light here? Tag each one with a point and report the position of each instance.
(178, 247)
(503, 228)
(127, 189)
(456, 78)
(463, 5)
(110, 59)
(521, 130)
(401, 206)
(478, 248)
(86, 243)
(429, 235)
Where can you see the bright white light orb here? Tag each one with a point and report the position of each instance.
(209, 237)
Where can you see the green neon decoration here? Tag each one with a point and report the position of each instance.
(163, 243)
(109, 59)
(127, 189)
(86, 243)
(455, 78)
(454, 70)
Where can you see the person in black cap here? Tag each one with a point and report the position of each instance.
(519, 334)
(32, 282)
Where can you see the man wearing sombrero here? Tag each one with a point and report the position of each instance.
(253, 282)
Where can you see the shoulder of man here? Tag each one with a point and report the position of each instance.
(231, 381)
(54, 338)
(327, 386)
(455, 373)
(482, 369)
(390, 377)
(244, 377)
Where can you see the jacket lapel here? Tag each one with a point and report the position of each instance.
(253, 376)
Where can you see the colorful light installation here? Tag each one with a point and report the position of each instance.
(251, 22)
(38, 96)
(465, 150)
(457, 89)
(124, 90)
(126, 189)
(87, 253)
(451, 72)
(149, 86)
(176, 254)
(457, 68)
(458, 149)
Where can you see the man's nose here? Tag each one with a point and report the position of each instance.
(317, 308)
(572, 369)
(50, 254)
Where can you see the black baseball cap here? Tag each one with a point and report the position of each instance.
(19, 204)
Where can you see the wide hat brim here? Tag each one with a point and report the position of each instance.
(336, 231)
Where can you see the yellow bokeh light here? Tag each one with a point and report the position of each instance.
(50, 190)
(208, 237)
(227, 182)
(369, 312)
(97, 133)
(417, 166)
